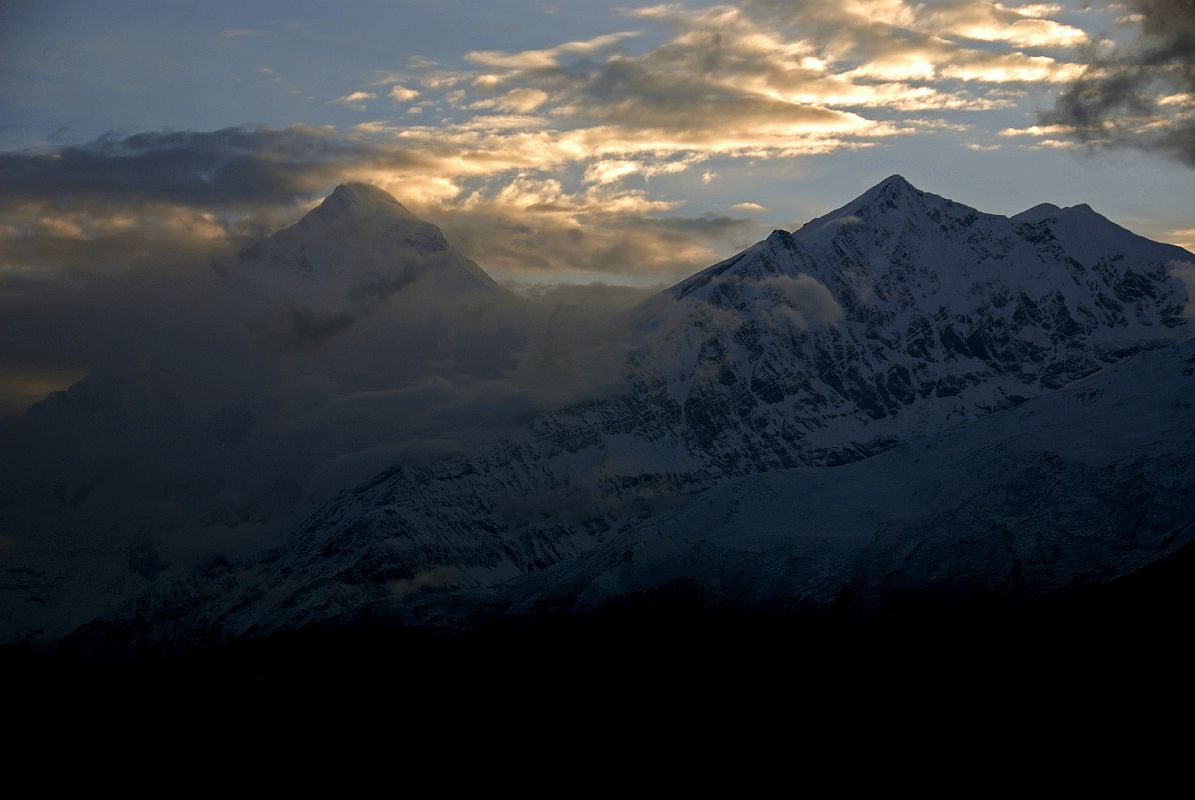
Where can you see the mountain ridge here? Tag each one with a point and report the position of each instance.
(991, 510)
(818, 348)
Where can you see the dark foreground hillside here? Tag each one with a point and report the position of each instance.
(665, 640)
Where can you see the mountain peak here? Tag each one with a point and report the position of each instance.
(892, 200)
(1049, 211)
(896, 181)
(359, 245)
(363, 193)
(350, 200)
(1039, 212)
(889, 191)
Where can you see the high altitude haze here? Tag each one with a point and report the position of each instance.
(553, 143)
(574, 141)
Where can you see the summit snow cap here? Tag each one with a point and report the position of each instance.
(354, 200)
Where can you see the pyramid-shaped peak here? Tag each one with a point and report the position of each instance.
(894, 186)
(892, 205)
(350, 200)
(894, 193)
(896, 182)
(365, 193)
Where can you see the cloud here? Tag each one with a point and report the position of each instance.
(564, 136)
(803, 301)
(1138, 95)
(126, 202)
(1185, 272)
(769, 79)
(501, 122)
(224, 169)
(533, 234)
(431, 578)
(609, 171)
(401, 94)
(520, 101)
(1037, 130)
(1012, 68)
(548, 57)
(191, 435)
(356, 99)
(558, 165)
(1184, 238)
(1027, 26)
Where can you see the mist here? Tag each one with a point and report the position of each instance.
(222, 398)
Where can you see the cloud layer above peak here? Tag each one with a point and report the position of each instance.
(636, 153)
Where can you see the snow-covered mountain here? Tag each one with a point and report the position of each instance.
(1073, 488)
(899, 316)
(300, 370)
(347, 260)
(902, 312)
(358, 243)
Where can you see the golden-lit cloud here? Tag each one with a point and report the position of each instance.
(520, 101)
(500, 122)
(609, 171)
(602, 130)
(554, 133)
(402, 94)
(1183, 237)
(1013, 68)
(1036, 130)
(1027, 26)
(355, 99)
(762, 80)
(549, 57)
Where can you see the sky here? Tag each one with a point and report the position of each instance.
(576, 142)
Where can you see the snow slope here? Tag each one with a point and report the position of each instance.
(898, 316)
(1075, 487)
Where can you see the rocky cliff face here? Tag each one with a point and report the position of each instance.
(1070, 489)
(899, 316)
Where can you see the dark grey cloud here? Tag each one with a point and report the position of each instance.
(1125, 98)
(222, 169)
(155, 199)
